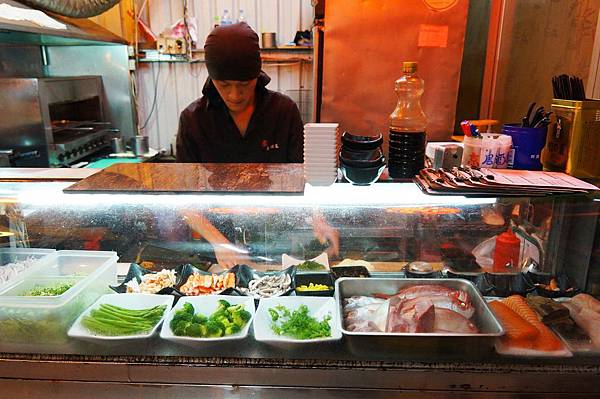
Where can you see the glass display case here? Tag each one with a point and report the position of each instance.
(385, 227)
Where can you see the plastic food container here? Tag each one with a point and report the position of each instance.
(31, 258)
(43, 320)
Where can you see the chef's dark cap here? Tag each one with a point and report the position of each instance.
(231, 52)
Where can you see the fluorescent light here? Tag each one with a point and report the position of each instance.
(340, 195)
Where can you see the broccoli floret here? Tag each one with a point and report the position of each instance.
(232, 329)
(235, 308)
(180, 328)
(214, 329)
(199, 318)
(222, 304)
(224, 320)
(182, 316)
(241, 317)
(219, 313)
(194, 330)
(188, 308)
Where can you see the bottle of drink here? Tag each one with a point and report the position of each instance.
(407, 126)
(226, 19)
(241, 16)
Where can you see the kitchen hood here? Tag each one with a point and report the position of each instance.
(56, 31)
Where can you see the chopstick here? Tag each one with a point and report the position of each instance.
(568, 87)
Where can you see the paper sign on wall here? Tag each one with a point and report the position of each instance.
(433, 36)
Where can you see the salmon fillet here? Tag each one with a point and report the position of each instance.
(546, 340)
(515, 326)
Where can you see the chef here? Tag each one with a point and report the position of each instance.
(238, 119)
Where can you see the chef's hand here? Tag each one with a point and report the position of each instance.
(227, 254)
(325, 233)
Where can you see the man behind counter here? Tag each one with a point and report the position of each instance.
(238, 119)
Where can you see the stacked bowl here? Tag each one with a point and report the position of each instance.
(320, 149)
(361, 158)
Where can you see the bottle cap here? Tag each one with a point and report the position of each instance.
(409, 66)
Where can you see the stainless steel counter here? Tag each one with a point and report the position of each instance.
(250, 369)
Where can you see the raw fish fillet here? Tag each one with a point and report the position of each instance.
(447, 321)
(587, 319)
(370, 317)
(418, 318)
(586, 301)
(357, 301)
(442, 301)
(430, 290)
(515, 326)
(546, 340)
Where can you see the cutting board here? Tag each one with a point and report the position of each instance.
(190, 178)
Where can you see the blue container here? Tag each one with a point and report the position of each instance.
(527, 144)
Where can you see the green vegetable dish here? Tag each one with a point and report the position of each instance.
(310, 265)
(110, 320)
(298, 324)
(226, 320)
(56, 290)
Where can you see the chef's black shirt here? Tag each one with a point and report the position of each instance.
(207, 132)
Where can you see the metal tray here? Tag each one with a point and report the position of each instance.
(430, 343)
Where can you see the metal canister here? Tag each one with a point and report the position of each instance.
(421, 270)
(140, 146)
(117, 145)
(269, 40)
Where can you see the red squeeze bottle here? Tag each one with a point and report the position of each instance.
(507, 250)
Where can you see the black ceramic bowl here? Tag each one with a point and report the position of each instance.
(362, 176)
(362, 159)
(506, 284)
(361, 142)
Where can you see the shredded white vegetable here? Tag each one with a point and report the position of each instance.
(10, 270)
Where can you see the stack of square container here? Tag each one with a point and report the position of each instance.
(33, 321)
(320, 153)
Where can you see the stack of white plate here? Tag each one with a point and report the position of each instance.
(320, 153)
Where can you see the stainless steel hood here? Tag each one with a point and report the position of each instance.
(78, 31)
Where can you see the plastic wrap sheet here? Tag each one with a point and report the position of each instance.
(366, 42)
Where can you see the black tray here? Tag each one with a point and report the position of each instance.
(315, 278)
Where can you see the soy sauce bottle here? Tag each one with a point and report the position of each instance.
(408, 123)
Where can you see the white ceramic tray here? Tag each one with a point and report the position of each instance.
(207, 305)
(318, 307)
(129, 301)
